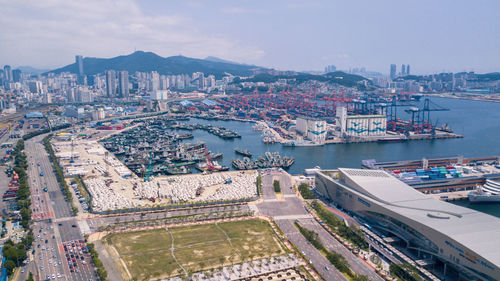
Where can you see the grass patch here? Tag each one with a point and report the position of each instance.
(147, 254)
(276, 185)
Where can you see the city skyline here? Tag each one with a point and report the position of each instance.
(448, 36)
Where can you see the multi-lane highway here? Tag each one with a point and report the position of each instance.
(54, 227)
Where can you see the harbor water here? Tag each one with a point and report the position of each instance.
(477, 121)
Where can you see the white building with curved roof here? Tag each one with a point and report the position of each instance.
(465, 241)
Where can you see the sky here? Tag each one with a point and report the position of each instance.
(431, 35)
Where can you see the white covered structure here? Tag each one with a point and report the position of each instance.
(462, 240)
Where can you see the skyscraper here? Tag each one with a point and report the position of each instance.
(393, 71)
(110, 83)
(16, 75)
(403, 70)
(79, 66)
(123, 84)
(408, 69)
(330, 68)
(7, 74)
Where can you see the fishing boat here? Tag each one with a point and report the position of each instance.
(243, 152)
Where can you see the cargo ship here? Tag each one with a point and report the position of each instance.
(487, 193)
(245, 153)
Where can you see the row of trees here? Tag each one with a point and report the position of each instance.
(333, 257)
(101, 271)
(59, 173)
(353, 234)
(405, 272)
(23, 192)
(15, 253)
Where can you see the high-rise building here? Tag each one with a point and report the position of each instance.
(110, 83)
(123, 84)
(407, 69)
(403, 70)
(330, 68)
(16, 75)
(35, 87)
(79, 66)
(7, 74)
(393, 71)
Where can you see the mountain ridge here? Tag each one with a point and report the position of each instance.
(149, 61)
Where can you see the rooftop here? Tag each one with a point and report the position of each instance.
(475, 230)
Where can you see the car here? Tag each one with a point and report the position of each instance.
(41, 267)
(84, 262)
(82, 258)
(53, 276)
(67, 255)
(59, 262)
(54, 256)
(60, 224)
(72, 271)
(46, 241)
(73, 225)
(38, 246)
(326, 267)
(41, 258)
(59, 275)
(48, 276)
(22, 270)
(71, 267)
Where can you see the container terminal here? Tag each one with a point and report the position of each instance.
(441, 175)
(304, 119)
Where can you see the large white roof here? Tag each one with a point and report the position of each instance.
(477, 231)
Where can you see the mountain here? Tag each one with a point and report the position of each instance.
(338, 77)
(148, 61)
(31, 70)
(216, 59)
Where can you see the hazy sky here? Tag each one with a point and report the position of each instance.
(430, 35)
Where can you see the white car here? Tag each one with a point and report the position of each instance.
(53, 276)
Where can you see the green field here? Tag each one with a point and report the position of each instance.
(147, 254)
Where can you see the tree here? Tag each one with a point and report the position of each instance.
(30, 277)
(9, 265)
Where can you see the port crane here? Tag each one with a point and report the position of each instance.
(421, 117)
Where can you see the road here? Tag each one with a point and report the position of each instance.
(357, 265)
(53, 224)
(290, 209)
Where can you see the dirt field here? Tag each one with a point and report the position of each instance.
(145, 255)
